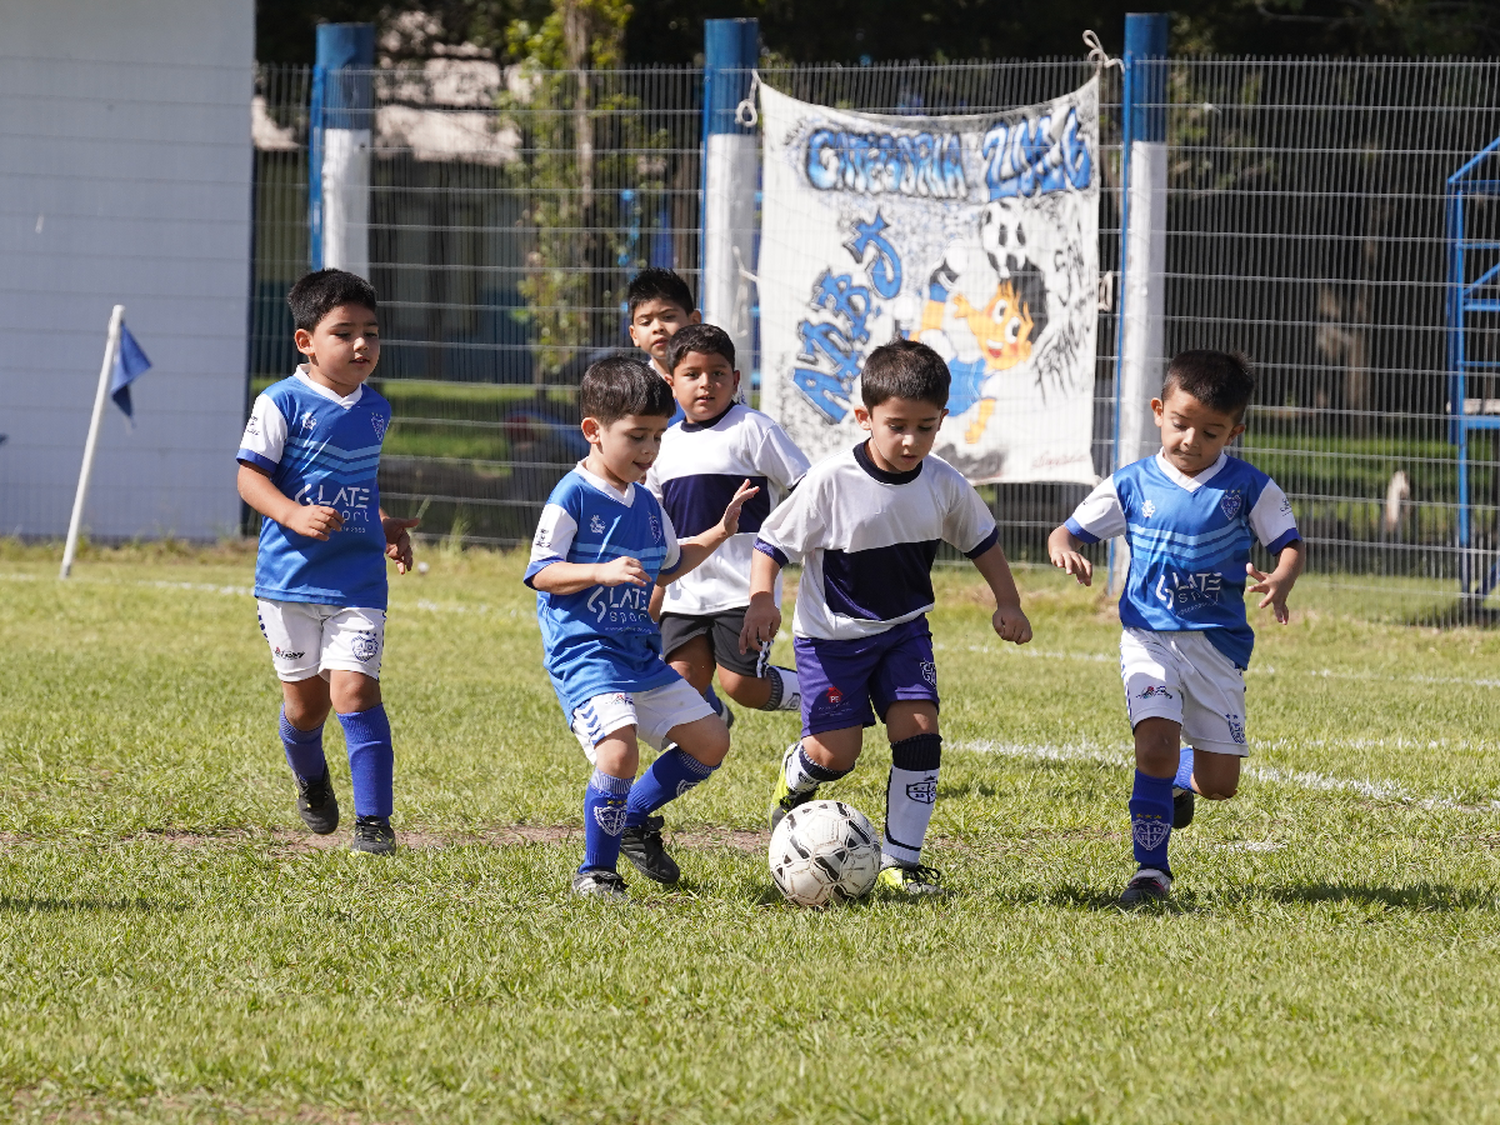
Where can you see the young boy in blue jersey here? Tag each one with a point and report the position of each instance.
(602, 542)
(719, 443)
(1188, 514)
(308, 462)
(866, 524)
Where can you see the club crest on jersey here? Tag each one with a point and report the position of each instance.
(309, 422)
(1231, 503)
(611, 818)
(1148, 509)
(1150, 832)
(923, 792)
(378, 421)
(596, 525)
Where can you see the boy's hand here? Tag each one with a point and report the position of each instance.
(316, 521)
(1275, 586)
(762, 623)
(624, 571)
(731, 520)
(1074, 563)
(1011, 624)
(397, 541)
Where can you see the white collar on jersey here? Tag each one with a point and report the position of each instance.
(626, 497)
(346, 401)
(1192, 484)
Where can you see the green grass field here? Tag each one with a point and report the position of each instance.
(173, 948)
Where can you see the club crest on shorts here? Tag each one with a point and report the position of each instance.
(1236, 728)
(365, 647)
(1231, 503)
(378, 421)
(923, 792)
(1150, 832)
(929, 672)
(611, 818)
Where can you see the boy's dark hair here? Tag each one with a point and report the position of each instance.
(705, 339)
(621, 384)
(318, 293)
(657, 284)
(904, 369)
(1221, 381)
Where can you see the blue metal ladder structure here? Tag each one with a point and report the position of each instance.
(1467, 298)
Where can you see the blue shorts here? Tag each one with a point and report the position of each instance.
(840, 680)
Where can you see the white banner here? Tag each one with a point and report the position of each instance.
(976, 234)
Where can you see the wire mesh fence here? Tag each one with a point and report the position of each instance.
(1307, 211)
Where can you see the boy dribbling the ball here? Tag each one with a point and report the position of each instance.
(1188, 514)
(308, 462)
(602, 542)
(866, 525)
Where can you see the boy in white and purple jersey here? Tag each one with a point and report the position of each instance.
(1189, 514)
(866, 525)
(601, 544)
(308, 463)
(719, 443)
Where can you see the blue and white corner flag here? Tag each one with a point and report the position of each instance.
(130, 364)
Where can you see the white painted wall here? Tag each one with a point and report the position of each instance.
(125, 177)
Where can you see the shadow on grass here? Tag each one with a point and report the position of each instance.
(28, 904)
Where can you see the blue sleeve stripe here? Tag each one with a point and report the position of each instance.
(537, 566)
(985, 544)
(1078, 533)
(250, 457)
(771, 551)
(1284, 539)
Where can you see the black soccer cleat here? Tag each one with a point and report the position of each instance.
(1147, 886)
(643, 847)
(316, 804)
(1183, 804)
(373, 835)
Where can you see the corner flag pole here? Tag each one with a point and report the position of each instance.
(110, 347)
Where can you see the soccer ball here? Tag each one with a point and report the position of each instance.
(824, 852)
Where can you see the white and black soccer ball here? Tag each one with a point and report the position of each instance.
(824, 852)
(1006, 236)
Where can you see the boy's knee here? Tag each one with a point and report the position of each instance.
(1218, 792)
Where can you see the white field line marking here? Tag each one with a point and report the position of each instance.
(1119, 757)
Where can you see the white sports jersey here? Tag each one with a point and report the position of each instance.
(867, 539)
(700, 468)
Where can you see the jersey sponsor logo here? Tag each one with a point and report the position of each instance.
(543, 536)
(835, 697)
(1286, 506)
(1148, 509)
(929, 672)
(596, 525)
(620, 605)
(610, 817)
(252, 427)
(1189, 591)
(655, 527)
(1150, 832)
(1231, 503)
(353, 504)
(378, 421)
(923, 792)
(1236, 728)
(283, 654)
(1154, 691)
(365, 647)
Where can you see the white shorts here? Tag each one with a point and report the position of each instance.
(653, 713)
(309, 640)
(1184, 678)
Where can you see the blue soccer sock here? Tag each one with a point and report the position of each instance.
(713, 700)
(304, 749)
(603, 820)
(1184, 778)
(672, 774)
(372, 760)
(1151, 821)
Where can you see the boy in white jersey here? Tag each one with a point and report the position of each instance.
(660, 304)
(1188, 514)
(308, 463)
(866, 525)
(718, 444)
(601, 543)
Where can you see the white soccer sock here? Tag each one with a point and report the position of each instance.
(785, 695)
(803, 774)
(910, 794)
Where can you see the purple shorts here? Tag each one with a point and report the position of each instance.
(840, 680)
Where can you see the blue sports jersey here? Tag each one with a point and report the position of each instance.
(321, 449)
(1189, 541)
(601, 639)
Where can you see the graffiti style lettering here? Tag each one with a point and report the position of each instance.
(1026, 158)
(885, 269)
(925, 165)
(849, 302)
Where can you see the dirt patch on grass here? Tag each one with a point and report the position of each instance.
(29, 1105)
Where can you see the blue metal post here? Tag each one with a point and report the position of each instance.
(342, 98)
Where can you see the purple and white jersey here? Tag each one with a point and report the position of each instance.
(697, 473)
(867, 539)
(1189, 541)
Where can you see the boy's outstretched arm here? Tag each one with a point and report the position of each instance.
(1278, 584)
(1010, 623)
(397, 541)
(316, 521)
(1063, 548)
(693, 551)
(763, 617)
(569, 578)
